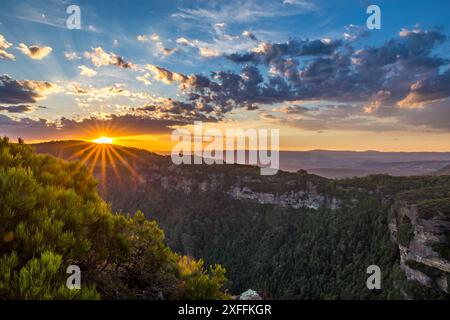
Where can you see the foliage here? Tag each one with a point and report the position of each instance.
(434, 207)
(284, 253)
(281, 252)
(405, 231)
(51, 217)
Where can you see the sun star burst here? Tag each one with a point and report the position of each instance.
(103, 140)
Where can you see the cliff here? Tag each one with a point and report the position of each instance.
(420, 225)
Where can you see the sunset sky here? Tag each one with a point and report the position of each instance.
(135, 71)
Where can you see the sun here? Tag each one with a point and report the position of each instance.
(103, 140)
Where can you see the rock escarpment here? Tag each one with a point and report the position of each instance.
(296, 192)
(420, 225)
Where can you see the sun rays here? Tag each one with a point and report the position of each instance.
(102, 157)
(103, 140)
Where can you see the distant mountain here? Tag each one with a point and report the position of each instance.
(347, 164)
(445, 171)
(295, 235)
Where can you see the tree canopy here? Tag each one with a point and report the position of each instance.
(51, 216)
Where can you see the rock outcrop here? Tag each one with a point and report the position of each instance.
(249, 295)
(298, 196)
(309, 198)
(422, 231)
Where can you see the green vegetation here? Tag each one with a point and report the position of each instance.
(434, 207)
(281, 252)
(405, 231)
(284, 253)
(51, 217)
(287, 253)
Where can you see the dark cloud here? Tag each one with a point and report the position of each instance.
(21, 108)
(165, 75)
(35, 52)
(336, 117)
(379, 81)
(250, 35)
(189, 111)
(430, 89)
(112, 125)
(435, 116)
(345, 74)
(120, 62)
(267, 52)
(22, 91)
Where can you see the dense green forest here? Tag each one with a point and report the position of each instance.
(287, 253)
(51, 216)
(282, 252)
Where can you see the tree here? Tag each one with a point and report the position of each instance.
(51, 216)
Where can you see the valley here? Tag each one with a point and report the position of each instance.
(292, 235)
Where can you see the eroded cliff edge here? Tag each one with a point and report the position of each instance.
(420, 224)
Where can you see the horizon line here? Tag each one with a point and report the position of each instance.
(281, 150)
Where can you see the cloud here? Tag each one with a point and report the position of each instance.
(345, 117)
(158, 44)
(21, 108)
(145, 78)
(165, 75)
(185, 42)
(35, 52)
(149, 119)
(244, 11)
(267, 52)
(161, 49)
(208, 52)
(115, 125)
(427, 90)
(88, 72)
(90, 93)
(71, 55)
(341, 73)
(354, 32)
(4, 45)
(250, 35)
(379, 82)
(435, 116)
(144, 38)
(99, 58)
(23, 91)
(221, 44)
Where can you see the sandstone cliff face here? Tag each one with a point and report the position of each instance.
(308, 198)
(417, 238)
(305, 195)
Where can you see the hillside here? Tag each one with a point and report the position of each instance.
(52, 218)
(292, 235)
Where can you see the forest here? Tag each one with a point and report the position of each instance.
(170, 232)
(51, 217)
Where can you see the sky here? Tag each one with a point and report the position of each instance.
(137, 70)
